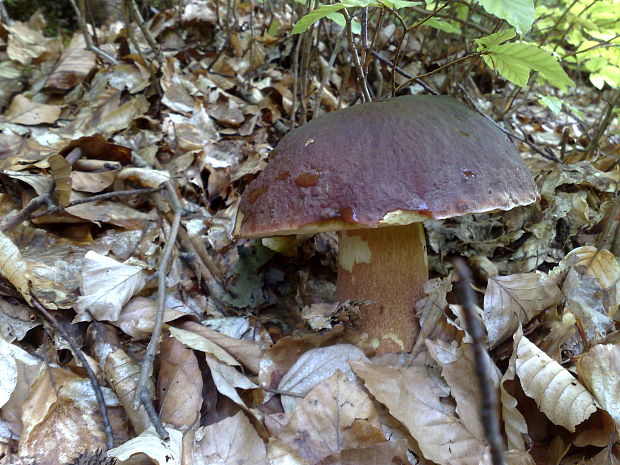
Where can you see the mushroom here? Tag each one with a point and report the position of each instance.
(374, 172)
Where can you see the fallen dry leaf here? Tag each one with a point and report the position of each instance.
(150, 445)
(335, 416)
(515, 299)
(564, 400)
(179, 385)
(230, 441)
(599, 370)
(30, 113)
(411, 396)
(106, 286)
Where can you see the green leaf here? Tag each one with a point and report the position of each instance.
(514, 61)
(518, 13)
(398, 4)
(338, 18)
(552, 103)
(315, 15)
(495, 39)
(325, 10)
(451, 27)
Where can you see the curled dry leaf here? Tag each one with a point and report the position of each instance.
(335, 416)
(599, 370)
(179, 385)
(563, 399)
(201, 343)
(121, 373)
(149, 444)
(137, 317)
(247, 352)
(315, 366)
(515, 426)
(106, 286)
(411, 397)
(515, 299)
(25, 111)
(230, 441)
(227, 380)
(12, 266)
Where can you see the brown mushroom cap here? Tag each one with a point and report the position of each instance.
(382, 164)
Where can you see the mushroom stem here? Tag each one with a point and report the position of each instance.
(388, 267)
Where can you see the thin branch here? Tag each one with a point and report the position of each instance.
(511, 134)
(25, 213)
(142, 395)
(95, 198)
(488, 393)
(604, 124)
(89, 371)
(356, 60)
(450, 63)
(81, 19)
(404, 73)
(330, 65)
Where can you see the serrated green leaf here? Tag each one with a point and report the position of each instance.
(495, 39)
(451, 27)
(514, 61)
(518, 13)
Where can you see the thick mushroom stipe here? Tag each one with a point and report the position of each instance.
(386, 266)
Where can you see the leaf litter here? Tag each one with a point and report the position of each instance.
(255, 365)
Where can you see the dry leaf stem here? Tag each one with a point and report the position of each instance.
(77, 353)
(488, 394)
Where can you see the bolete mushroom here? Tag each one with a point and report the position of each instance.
(373, 172)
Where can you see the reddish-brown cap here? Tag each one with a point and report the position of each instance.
(385, 163)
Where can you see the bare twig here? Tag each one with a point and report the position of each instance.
(95, 198)
(4, 15)
(80, 356)
(330, 65)
(81, 19)
(604, 124)
(511, 134)
(25, 213)
(142, 394)
(450, 63)
(488, 393)
(404, 73)
(355, 57)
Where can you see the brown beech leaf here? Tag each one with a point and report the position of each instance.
(459, 371)
(599, 370)
(61, 418)
(28, 112)
(74, 65)
(411, 397)
(563, 399)
(179, 385)
(247, 352)
(315, 366)
(515, 426)
(515, 299)
(230, 441)
(336, 415)
(138, 317)
(389, 452)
